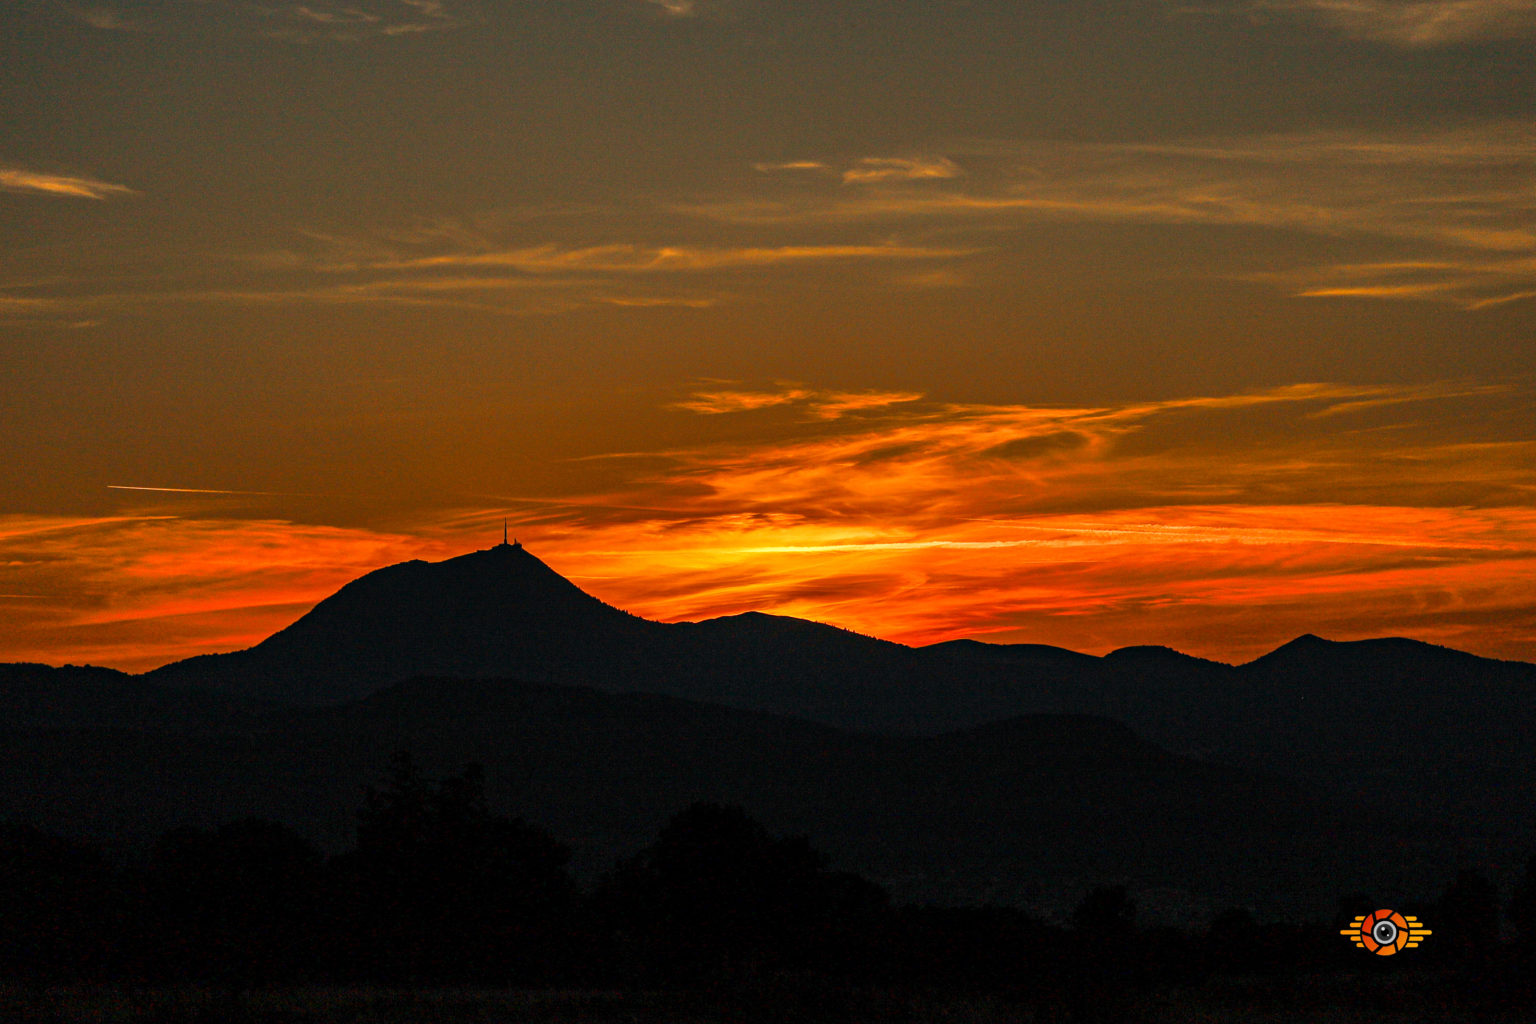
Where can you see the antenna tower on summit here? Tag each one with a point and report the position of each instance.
(503, 532)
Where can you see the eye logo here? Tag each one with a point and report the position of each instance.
(1385, 932)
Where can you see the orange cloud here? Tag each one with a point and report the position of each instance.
(631, 259)
(876, 169)
(827, 405)
(15, 179)
(136, 591)
(1163, 522)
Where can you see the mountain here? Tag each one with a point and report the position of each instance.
(487, 613)
(1439, 737)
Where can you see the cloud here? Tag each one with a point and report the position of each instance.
(714, 403)
(872, 170)
(962, 460)
(792, 165)
(354, 20)
(824, 405)
(310, 22)
(536, 279)
(24, 305)
(15, 179)
(639, 259)
(676, 8)
(1472, 283)
(880, 169)
(1459, 197)
(1416, 24)
(1223, 524)
(343, 16)
(135, 591)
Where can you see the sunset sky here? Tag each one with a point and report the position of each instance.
(1098, 323)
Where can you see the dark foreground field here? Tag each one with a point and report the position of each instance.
(1342, 998)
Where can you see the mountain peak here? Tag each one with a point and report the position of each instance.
(491, 591)
(476, 615)
(1157, 655)
(1304, 649)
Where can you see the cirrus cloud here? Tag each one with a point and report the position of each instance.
(67, 186)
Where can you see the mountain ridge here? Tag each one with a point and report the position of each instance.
(486, 597)
(494, 654)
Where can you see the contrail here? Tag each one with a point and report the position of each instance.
(195, 490)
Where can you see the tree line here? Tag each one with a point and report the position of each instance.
(438, 889)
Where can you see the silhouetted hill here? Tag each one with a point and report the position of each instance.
(1155, 656)
(481, 614)
(1439, 735)
(1397, 721)
(1033, 810)
(37, 696)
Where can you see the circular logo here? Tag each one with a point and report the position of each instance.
(1385, 932)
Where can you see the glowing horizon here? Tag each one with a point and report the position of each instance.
(1091, 528)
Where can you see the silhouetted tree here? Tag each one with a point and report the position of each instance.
(1107, 955)
(440, 888)
(717, 892)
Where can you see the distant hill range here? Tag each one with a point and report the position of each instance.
(962, 769)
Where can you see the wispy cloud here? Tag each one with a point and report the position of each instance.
(1473, 283)
(823, 405)
(638, 259)
(871, 170)
(964, 459)
(1416, 24)
(1082, 526)
(878, 169)
(714, 403)
(310, 22)
(676, 8)
(1457, 197)
(134, 591)
(475, 274)
(15, 179)
(791, 165)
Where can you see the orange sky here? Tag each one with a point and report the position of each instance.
(1094, 324)
(1220, 525)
